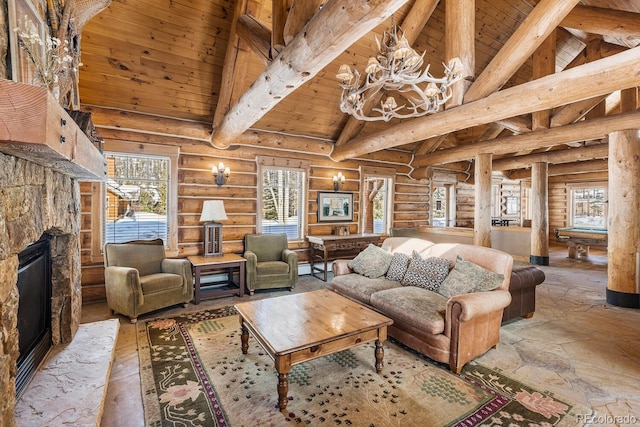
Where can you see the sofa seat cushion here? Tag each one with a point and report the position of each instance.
(272, 267)
(159, 282)
(414, 306)
(361, 288)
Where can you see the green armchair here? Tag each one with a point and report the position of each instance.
(270, 262)
(139, 279)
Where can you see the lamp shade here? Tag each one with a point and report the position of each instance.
(213, 210)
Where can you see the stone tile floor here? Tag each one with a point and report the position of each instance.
(576, 345)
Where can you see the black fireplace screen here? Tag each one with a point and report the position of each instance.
(34, 309)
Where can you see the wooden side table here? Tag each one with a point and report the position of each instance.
(228, 262)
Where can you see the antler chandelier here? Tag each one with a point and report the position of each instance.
(396, 67)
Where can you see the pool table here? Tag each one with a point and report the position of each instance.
(578, 240)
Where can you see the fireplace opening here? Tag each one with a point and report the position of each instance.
(34, 309)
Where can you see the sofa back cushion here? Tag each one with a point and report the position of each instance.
(406, 245)
(491, 259)
(469, 277)
(373, 262)
(427, 273)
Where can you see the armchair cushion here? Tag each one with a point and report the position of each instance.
(146, 261)
(272, 267)
(159, 282)
(267, 247)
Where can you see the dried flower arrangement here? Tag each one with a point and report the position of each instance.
(50, 57)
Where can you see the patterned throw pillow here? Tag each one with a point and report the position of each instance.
(468, 277)
(427, 273)
(373, 262)
(398, 266)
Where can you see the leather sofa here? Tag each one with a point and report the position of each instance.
(524, 279)
(452, 331)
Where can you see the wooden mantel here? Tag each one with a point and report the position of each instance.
(35, 127)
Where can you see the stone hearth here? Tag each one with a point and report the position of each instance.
(34, 200)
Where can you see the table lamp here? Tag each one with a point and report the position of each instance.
(212, 212)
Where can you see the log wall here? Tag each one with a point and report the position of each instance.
(240, 195)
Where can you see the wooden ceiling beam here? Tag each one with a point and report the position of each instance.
(147, 123)
(534, 30)
(460, 42)
(585, 130)
(588, 166)
(279, 14)
(235, 62)
(593, 79)
(606, 22)
(412, 26)
(331, 31)
(300, 13)
(256, 35)
(599, 151)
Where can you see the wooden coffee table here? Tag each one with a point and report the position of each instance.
(296, 328)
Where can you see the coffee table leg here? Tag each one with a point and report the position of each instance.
(244, 337)
(283, 366)
(283, 390)
(379, 353)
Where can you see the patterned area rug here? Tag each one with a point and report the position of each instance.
(193, 373)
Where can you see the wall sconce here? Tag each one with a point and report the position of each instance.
(221, 173)
(338, 180)
(212, 212)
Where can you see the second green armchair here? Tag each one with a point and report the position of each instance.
(270, 262)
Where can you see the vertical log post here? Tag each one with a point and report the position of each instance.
(482, 208)
(623, 221)
(539, 214)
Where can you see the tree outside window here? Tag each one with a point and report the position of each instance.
(282, 202)
(376, 204)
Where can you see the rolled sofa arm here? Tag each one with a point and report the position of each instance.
(122, 284)
(478, 303)
(340, 267)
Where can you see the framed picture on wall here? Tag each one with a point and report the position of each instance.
(335, 207)
(21, 11)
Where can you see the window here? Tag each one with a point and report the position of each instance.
(282, 199)
(589, 207)
(136, 196)
(442, 205)
(139, 199)
(377, 198)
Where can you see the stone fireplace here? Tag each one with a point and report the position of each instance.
(34, 200)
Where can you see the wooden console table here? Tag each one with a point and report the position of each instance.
(330, 247)
(228, 262)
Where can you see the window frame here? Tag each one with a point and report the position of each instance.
(302, 166)
(571, 201)
(377, 172)
(98, 195)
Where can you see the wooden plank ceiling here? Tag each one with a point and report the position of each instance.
(194, 59)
